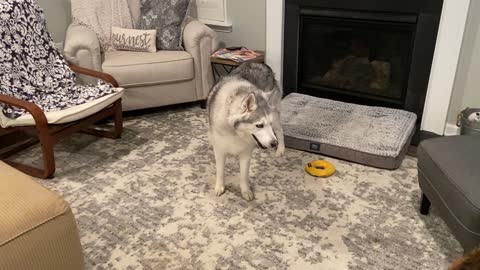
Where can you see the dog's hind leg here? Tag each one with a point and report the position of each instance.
(277, 128)
(220, 157)
(245, 158)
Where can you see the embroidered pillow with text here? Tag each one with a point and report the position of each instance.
(134, 40)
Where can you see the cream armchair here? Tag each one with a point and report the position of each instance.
(151, 79)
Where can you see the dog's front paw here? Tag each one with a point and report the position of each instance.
(219, 190)
(247, 194)
(280, 150)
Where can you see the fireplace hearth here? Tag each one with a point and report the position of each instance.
(367, 52)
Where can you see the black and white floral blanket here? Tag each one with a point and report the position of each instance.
(31, 68)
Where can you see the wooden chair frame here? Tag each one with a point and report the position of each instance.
(49, 134)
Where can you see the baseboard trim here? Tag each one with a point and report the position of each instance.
(451, 130)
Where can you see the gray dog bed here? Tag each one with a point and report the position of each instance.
(373, 136)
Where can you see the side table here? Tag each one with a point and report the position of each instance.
(229, 65)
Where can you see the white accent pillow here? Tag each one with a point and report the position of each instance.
(134, 40)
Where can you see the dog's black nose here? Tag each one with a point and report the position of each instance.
(274, 144)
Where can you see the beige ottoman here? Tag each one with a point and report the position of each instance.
(37, 227)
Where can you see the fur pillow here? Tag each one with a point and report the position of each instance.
(134, 6)
(168, 17)
(134, 40)
(100, 16)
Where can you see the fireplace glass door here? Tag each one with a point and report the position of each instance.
(363, 59)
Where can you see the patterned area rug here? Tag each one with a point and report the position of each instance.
(147, 202)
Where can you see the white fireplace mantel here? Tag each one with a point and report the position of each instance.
(444, 67)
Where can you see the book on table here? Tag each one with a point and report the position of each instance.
(239, 56)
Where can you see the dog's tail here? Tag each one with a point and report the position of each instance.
(470, 261)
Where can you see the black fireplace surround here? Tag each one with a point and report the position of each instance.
(372, 52)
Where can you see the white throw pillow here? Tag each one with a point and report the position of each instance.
(134, 40)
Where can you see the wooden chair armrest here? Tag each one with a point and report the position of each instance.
(37, 113)
(93, 73)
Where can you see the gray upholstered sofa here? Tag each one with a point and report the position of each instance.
(449, 176)
(150, 79)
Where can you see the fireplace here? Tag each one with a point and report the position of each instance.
(365, 62)
(366, 52)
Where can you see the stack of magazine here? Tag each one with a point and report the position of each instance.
(240, 55)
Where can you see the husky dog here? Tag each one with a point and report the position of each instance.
(244, 113)
(470, 261)
(474, 117)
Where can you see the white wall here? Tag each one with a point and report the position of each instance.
(58, 14)
(248, 20)
(466, 92)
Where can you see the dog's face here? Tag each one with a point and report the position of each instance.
(253, 122)
(474, 117)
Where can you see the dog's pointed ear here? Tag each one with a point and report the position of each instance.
(249, 104)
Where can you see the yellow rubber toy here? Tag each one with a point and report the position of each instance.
(320, 168)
